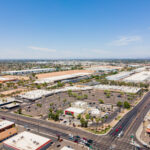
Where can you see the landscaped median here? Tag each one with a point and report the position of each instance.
(99, 130)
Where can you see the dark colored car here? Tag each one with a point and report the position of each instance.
(76, 141)
(58, 145)
(90, 141)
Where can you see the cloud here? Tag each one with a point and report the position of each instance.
(42, 49)
(125, 40)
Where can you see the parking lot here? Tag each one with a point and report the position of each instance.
(61, 101)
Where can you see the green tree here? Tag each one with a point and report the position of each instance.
(126, 105)
(87, 116)
(119, 104)
(84, 123)
(19, 111)
(79, 116)
(101, 101)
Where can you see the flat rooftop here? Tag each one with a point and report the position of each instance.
(5, 123)
(7, 100)
(139, 77)
(17, 77)
(11, 105)
(6, 79)
(61, 73)
(126, 89)
(66, 148)
(27, 141)
(75, 110)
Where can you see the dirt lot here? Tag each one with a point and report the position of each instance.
(13, 91)
(53, 74)
(16, 77)
(62, 101)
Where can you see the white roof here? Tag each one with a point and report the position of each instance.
(27, 141)
(11, 105)
(79, 103)
(29, 70)
(126, 89)
(6, 79)
(75, 110)
(5, 123)
(119, 76)
(35, 94)
(139, 77)
(66, 148)
(61, 77)
(95, 111)
(6, 100)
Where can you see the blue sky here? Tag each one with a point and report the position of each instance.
(74, 29)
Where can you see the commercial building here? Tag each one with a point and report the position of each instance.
(104, 68)
(7, 129)
(37, 94)
(6, 101)
(79, 104)
(28, 71)
(4, 79)
(119, 76)
(60, 78)
(10, 106)
(143, 76)
(9, 102)
(78, 79)
(73, 111)
(27, 141)
(67, 148)
(34, 95)
(125, 89)
(94, 112)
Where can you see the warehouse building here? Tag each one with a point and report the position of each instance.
(104, 69)
(61, 78)
(9, 101)
(27, 141)
(37, 94)
(10, 106)
(29, 71)
(143, 76)
(6, 101)
(119, 76)
(4, 79)
(125, 89)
